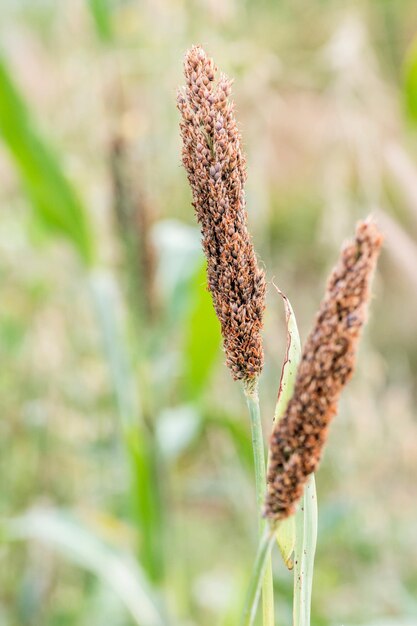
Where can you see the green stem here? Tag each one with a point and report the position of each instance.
(304, 551)
(258, 575)
(252, 399)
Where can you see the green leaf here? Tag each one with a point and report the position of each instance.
(72, 539)
(50, 192)
(146, 499)
(237, 432)
(114, 347)
(291, 360)
(410, 81)
(285, 533)
(100, 11)
(304, 553)
(202, 337)
(181, 277)
(179, 258)
(140, 445)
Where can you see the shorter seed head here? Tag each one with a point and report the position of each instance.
(326, 366)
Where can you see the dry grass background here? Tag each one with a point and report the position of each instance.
(318, 87)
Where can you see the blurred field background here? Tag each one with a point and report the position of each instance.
(126, 468)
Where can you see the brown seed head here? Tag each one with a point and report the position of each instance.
(215, 167)
(326, 366)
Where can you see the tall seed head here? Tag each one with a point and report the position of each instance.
(326, 366)
(215, 167)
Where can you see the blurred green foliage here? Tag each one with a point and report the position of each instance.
(410, 81)
(51, 194)
(101, 13)
(202, 338)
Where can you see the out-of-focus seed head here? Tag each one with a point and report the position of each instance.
(326, 366)
(216, 172)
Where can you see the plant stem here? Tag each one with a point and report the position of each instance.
(252, 399)
(258, 575)
(304, 551)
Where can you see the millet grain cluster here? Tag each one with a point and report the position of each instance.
(216, 171)
(326, 366)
